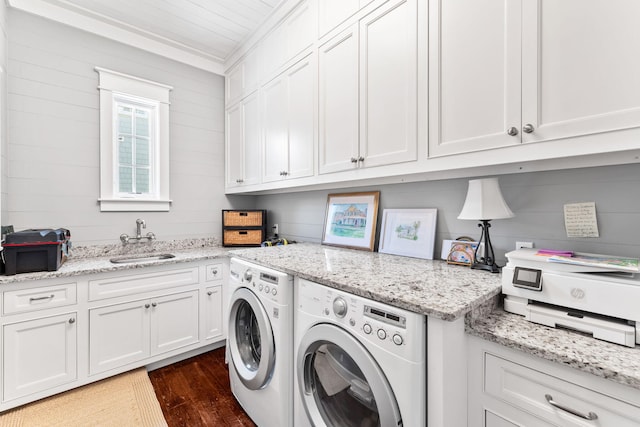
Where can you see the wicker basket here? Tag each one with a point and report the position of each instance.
(242, 237)
(242, 218)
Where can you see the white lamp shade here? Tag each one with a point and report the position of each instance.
(485, 201)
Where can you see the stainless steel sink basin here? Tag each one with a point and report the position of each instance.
(141, 258)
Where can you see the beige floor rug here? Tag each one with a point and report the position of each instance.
(126, 400)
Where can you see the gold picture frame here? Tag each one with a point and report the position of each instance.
(350, 220)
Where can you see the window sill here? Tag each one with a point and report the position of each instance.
(134, 205)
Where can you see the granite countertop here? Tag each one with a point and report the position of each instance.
(429, 287)
(95, 259)
(607, 360)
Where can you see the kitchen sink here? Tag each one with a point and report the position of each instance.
(141, 258)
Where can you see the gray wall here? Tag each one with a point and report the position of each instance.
(3, 110)
(537, 200)
(53, 140)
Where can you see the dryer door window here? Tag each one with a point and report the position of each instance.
(340, 382)
(251, 343)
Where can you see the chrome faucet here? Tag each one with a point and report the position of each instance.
(140, 224)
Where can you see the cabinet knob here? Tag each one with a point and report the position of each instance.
(512, 131)
(147, 305)
(154, 304)
(210, 293)
(361, 159)
(239, 181)
(354, 160)
(528, 128)
(72, 320)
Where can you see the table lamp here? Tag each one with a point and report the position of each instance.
(484, 202)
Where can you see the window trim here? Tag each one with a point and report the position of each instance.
(112, 85)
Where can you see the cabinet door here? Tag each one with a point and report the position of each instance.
(39, 354)
(235, 153)
(581, 67)
(276, 135)
(474, 75)
(213, 313)
(251, 140)
(301, 112)
(174, 321)
(119, 335)
(334, 12)
(388, 84)
(338, 115)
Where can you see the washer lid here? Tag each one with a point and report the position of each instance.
(251, 342)
(341, 384)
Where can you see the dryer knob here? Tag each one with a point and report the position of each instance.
(367, 328)
(382, 334)
(340, 307)
(248, 275)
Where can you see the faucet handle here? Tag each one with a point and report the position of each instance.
(151, 236)
(124, 238)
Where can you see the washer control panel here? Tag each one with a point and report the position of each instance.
(394, 329)
(265, 282)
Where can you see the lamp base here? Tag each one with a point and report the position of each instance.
(489, 267)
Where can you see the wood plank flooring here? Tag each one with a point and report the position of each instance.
(195, 392)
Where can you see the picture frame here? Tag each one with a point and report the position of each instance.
(408, 232)
(350, 220)
(460, 252)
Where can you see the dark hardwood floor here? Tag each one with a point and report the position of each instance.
(195, 392)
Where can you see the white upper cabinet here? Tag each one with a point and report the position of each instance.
(289, 105)
(332, 13)
(291, 37)
(243, 78)
(388, 84)
(474, 74)
(505, 72)
(368, 84)
(339, 102)
(243, 142)
(581, 67)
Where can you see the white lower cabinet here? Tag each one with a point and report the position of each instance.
(508, 388)
(39, 354)
(128, 332)
(58, 334)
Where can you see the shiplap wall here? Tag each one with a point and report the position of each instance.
(537, 199)
(53, 136)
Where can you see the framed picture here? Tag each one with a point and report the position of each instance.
(350, 220)
(408, 232)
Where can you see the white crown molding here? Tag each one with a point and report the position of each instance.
(100, 25)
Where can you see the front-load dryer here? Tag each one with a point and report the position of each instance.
(358, 362)
(260, 343)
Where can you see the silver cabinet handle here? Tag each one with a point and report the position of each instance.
(72, 320)
(354, 160)
(154, 304)
(210, 293)
(41, 298)
(590, 416)
(528, 128)
(512, 131)
(361, 159)
(147, 305)
(239, 181)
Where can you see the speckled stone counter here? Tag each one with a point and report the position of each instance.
(95, 259)
(434, 288)
(611, 361)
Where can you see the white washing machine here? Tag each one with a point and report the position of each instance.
(357, 362)
(260, 343)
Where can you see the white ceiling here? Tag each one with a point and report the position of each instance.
(213, 29)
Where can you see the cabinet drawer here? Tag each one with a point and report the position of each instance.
(242, 237)
(530, 391)
(144, 282)
(243, 218)
(40, 298)
(213, 272)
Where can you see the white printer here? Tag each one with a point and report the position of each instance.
(598, 299)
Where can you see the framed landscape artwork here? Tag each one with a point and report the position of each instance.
(408, 232)
(350, 220)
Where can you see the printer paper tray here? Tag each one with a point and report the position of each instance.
(607, 330)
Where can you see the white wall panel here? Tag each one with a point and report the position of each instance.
(537, 199)
(52, 175)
